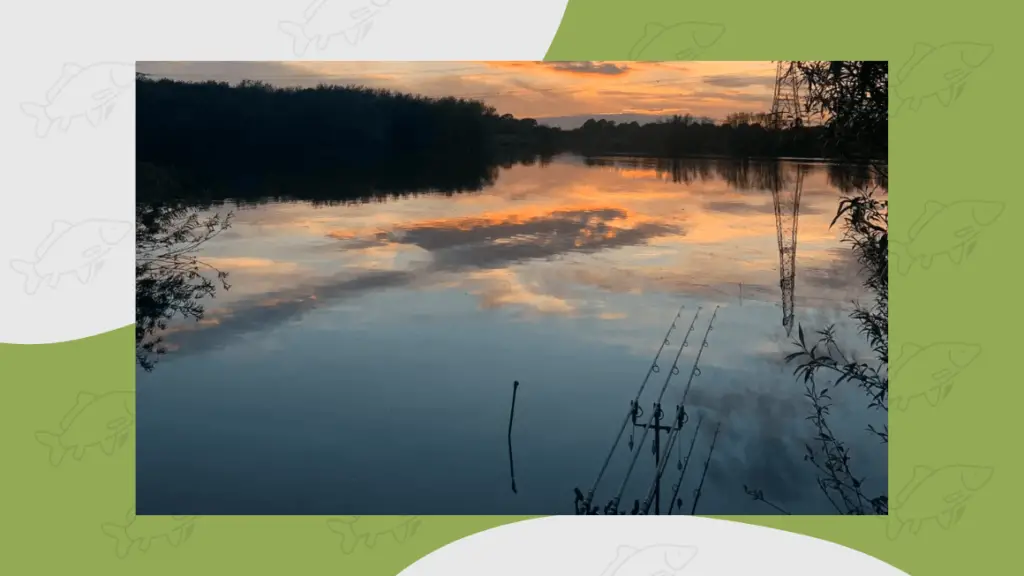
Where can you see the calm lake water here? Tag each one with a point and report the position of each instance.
(362, 361)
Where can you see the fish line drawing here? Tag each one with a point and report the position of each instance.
(139, 532)
(929, 371)
(325, 20)
(950, 230)
(939, 494)
(654, 560)
(368, 529)
(71, 248)
(89, 92)
(940, 72)
(679, 41)
(104, 420)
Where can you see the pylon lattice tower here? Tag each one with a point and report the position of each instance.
(787, 216)
(787, 105)
(787, 112)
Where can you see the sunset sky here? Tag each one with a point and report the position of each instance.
(558, 93)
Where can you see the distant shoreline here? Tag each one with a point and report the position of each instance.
(808, 160)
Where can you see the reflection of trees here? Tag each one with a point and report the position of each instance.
(747, 174)
(329, 184)
(857, 177)
(756, 175)
(330, 144)
(169, 277)
(407, 178)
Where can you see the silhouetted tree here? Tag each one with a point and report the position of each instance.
(854, 96)
(740, 135)
(253, 140)
(351, 138)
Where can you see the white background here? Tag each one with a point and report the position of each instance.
(643, 546)
(81, 172)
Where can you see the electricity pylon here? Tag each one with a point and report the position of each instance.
(788, 111)
(787, 104)
(786, 198)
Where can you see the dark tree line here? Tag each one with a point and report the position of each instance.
(255, 139)
(740, 135)
(344, 142)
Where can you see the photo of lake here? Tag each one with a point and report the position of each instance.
(382, 289)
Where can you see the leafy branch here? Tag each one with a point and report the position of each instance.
(854, 98)
(169, 276)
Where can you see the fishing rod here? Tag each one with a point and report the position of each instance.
(634, 411)
(696, 493)
(680, 420)
(696, 369)
(675, 368)
(614, 504)
(686, 464)
(681, 412)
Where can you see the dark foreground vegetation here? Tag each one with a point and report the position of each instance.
(854, 96)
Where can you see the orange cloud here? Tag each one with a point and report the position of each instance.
(527, 89)
(247, 264)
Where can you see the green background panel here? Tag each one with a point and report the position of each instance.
(69, 476)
